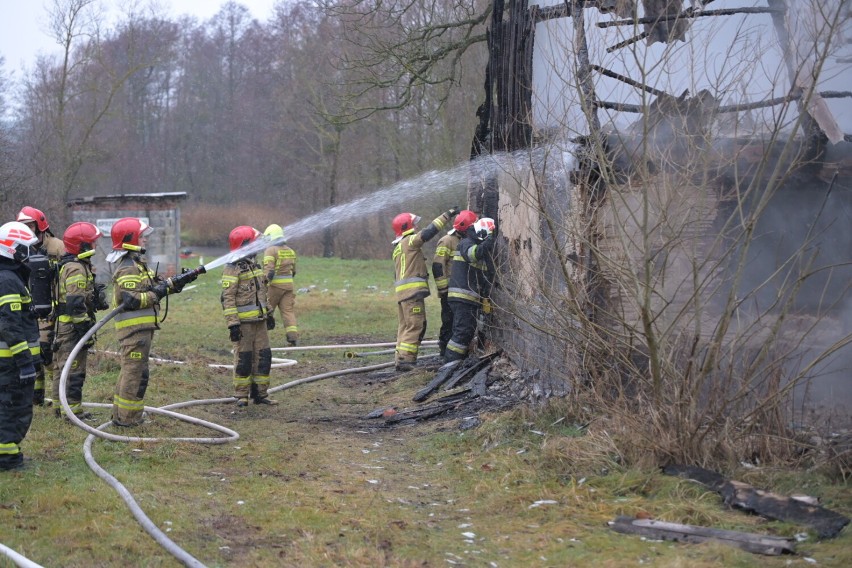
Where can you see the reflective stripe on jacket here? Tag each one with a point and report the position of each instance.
(133, 277)
(76, 290)
(18, 324)
(280, 262)
(243, 292)
(445, 250)
(412, 278)
(470, 273)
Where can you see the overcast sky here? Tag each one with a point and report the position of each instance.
(23, 25)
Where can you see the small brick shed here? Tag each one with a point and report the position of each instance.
(160, 210)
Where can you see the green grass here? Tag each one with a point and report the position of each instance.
(310, 483)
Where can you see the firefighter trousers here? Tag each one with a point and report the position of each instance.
(16, 413)
(285, 300)
(129, 399)
(66, 339)
(446, 325)
(465, 316)
(45, 374)
(252, 361)
(411, 329)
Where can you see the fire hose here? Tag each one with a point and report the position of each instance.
(229, 436)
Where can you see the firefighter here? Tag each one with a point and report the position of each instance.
(445, 250)
(42, 286)
(138, 291)
(279, 265)
(412, 282)
(248, 318)
(79, 298)
(19, 343)
(470, 284)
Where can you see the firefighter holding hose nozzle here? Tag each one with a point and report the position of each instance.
(412, 282)
(138, 291)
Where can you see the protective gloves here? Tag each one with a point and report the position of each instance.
(27, 374)
(270, 322)
(236, 332)
(130, 302)
(100, 297)
(160, 289)
(81, 328)
(486, 306)
(451, 212)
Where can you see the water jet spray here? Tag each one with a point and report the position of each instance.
(249, 249)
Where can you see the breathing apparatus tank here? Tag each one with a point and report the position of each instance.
(42, 278)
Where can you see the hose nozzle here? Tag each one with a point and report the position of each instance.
(176, 283)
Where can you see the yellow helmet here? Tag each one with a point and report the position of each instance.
(274, 231)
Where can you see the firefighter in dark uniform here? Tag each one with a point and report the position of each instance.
(137, 289)
(79, 298)
(412, 283)
(42, 285)
(445, 250)
(470, 284)
(19, 343)
(248, 317)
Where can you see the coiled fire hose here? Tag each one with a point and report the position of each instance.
(229, 435)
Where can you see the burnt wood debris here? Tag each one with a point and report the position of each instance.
(470, 377)
(738, 495)
(661, 530)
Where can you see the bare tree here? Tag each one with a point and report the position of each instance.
(666, 235)
(405, 47)
(66, 101)
(10, 175)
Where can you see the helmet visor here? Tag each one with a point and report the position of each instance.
(22, 252)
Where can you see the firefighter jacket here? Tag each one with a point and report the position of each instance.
(412, 279)
(472, 271)
(445, 250)
(18, 323)
(132, 280)
(76, 292)
(243, 292)
(279, 266)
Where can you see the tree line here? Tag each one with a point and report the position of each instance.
(234, 111)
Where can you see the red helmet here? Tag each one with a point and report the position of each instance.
(404, 222)
(242, 235)
(80, 239)
(32, 215)
(463, 220)
(126, 233)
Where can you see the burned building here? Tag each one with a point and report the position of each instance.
(671, 184)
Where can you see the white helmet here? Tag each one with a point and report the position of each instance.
(483, 227)
(16, 240)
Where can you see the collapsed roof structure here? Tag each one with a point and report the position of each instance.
(670, 176)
